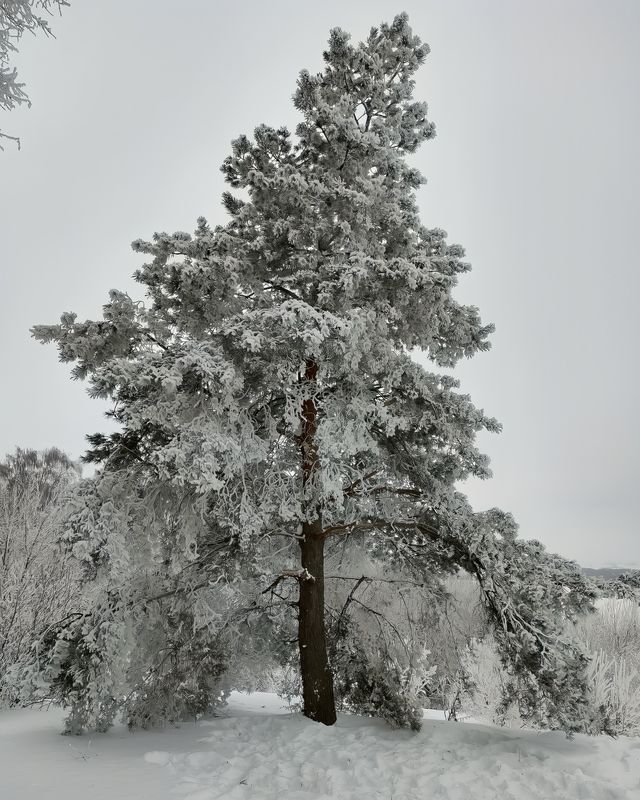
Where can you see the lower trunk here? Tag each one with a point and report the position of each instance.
(317, 680)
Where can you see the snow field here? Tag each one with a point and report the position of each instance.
(260, 750)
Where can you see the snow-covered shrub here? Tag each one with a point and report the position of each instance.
(38, 581)
(372, 682)
(456, 621)
(285, 682)
(484, 683)
(100, 669)
(611, 636)
(614, 685)
(378, 640)
(614, 628)
(148, 645)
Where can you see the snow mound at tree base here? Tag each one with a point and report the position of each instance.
(260, 750)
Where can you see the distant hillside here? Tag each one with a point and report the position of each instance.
(606, 572)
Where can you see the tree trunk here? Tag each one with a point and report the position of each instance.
(317, 679)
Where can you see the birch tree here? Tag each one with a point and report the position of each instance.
(38, 581)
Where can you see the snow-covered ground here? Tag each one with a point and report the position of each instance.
(259, 750)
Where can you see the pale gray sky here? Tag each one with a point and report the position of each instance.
(535, 170)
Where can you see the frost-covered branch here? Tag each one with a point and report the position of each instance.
(18, 17)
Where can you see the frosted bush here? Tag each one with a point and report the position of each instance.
(456, 622)
(484, 685)
(615, 628)
(615, 693)
(379, 642)
(612, 637)
(38, 582)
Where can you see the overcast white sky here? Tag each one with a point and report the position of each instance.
(535, 170)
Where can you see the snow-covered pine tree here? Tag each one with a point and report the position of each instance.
(268, 388)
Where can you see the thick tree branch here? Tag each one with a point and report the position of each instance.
(284, 290)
